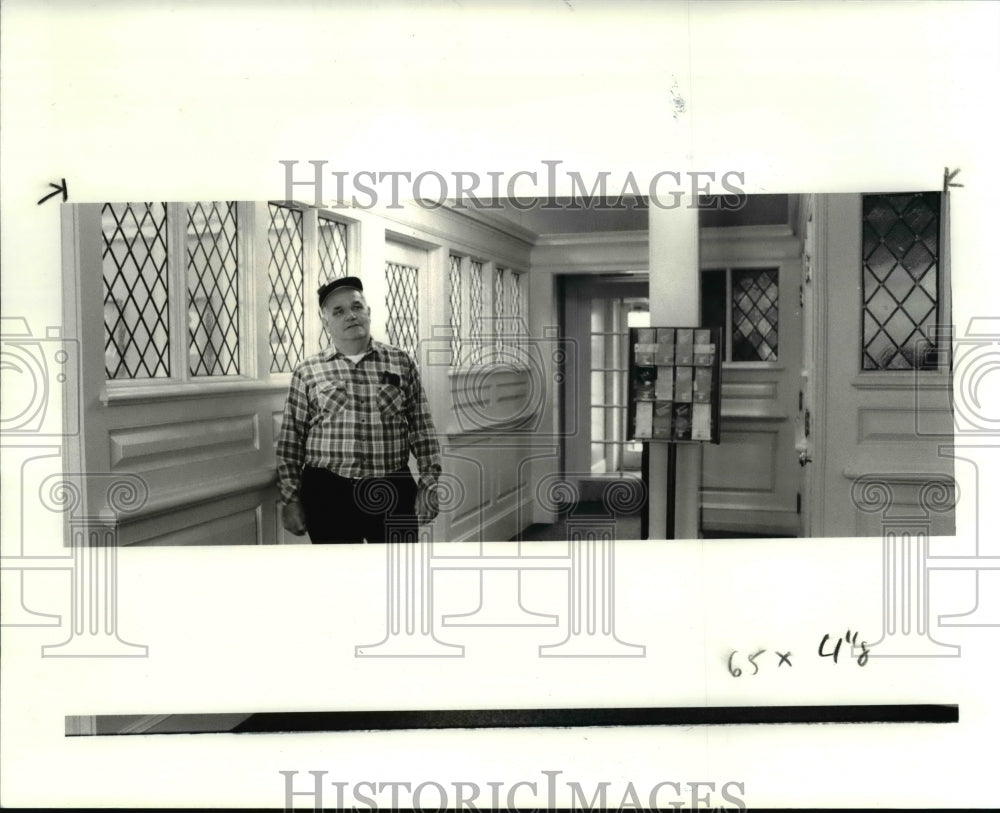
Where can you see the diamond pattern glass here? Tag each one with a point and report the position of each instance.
(508, 307)
(517, 310)
(501, 309)
(455, 307)
(285, 274)
(476, 299)
(213, 289)
(332, 250)
(134, 268)
(755, 314)
(332, 259)
(899, 280)
(402, 306)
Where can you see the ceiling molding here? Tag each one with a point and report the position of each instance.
(616, 238)
(496, 222)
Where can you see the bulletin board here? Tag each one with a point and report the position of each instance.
(674, 389)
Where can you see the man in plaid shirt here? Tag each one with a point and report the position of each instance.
(354, 414)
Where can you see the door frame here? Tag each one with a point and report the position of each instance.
(810, 419)
(573, 291)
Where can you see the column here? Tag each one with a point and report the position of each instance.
(673, 301)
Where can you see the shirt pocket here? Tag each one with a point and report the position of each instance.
(391, 401)
(331, 399)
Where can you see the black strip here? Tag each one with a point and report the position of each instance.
(302, 721)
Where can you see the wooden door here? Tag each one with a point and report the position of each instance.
(888, 424)
(750, 287)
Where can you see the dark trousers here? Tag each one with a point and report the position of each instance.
(376, 509)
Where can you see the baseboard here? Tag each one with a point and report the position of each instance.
(743, 520)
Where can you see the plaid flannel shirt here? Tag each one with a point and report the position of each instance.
(359, 420)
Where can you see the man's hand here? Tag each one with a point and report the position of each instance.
(426, 503)
(293, 518)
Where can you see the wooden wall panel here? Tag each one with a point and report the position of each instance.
(182, 443)
(230, 521)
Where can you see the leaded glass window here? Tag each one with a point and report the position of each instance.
(514, 295)
(518, 310)
(136, 290)
(285, 274)
(455, 307)
(476, 300)
(332, 250)
(332, 259)
(508, 307)
(499, 292)
(213, 289)
(899, 255)
(743, 303)
(755, 315)
(402, 306)
(501, 308)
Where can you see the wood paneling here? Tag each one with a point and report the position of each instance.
(884, 424)
(747, 463)
(230, 521)
(888, 424)
(182, 442)
(496, 498)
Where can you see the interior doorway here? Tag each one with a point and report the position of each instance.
(597, 312)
